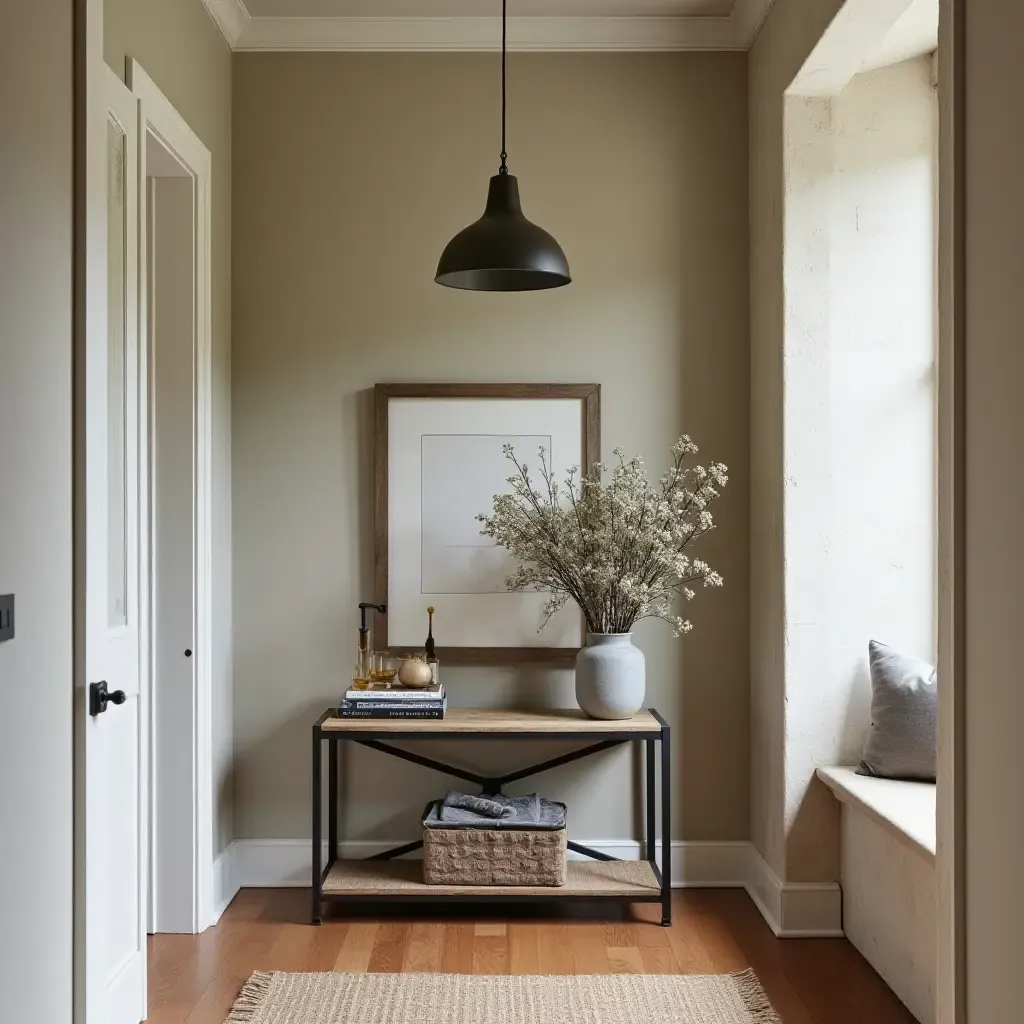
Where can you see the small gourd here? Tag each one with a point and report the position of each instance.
(415, 673)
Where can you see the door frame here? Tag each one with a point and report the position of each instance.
(951, 795)
(90, 299)
(157, 116)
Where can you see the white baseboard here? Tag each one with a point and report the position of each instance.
(795, 910)
(792, 910)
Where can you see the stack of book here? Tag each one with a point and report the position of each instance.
(428, 703)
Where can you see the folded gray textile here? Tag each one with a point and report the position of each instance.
(467, 811)
(480, 806)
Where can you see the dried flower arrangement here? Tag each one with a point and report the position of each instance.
(611, 541)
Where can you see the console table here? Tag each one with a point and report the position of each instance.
(383, 878)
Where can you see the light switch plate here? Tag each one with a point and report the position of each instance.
(6, 617)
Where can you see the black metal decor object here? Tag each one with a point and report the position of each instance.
(503, 251)
(364, 607)
(317, 887)
(364, 630)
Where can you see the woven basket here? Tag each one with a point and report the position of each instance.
(494, 856)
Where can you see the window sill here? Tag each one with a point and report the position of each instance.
(905, 809)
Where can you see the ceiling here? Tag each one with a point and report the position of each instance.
(915, 34)
(647, 25)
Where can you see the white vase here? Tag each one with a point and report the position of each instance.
(610, 676)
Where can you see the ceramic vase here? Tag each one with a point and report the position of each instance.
(610, 676)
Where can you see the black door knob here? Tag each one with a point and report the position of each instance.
(188, 652)
(100, 697)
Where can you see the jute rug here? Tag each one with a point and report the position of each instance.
(499, 999)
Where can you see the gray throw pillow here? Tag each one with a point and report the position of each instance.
(904, 717)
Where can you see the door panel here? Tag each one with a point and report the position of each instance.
(120, 741)
(114, 740)
(118, 412)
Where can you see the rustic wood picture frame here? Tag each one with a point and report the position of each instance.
(589, 397)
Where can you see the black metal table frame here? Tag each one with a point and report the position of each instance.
(489, 785)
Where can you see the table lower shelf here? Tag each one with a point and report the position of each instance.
(632, 880)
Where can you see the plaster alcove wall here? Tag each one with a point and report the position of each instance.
(824, 320)
(860, 408)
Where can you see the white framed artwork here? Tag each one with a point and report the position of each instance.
(439, 463)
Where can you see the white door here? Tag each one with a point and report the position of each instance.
(114, 857)
(170, 311)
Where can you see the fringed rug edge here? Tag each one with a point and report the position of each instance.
(754, 997)
(251, 999)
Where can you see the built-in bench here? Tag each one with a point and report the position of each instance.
(888, 879)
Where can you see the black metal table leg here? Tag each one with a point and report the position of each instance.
(332, 801)
(650, 818)
(666, 828)
(317, 882)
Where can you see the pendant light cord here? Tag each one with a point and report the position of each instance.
(504, 50)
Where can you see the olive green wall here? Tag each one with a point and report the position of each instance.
(351, 173)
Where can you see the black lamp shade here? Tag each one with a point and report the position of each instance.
(503, 251)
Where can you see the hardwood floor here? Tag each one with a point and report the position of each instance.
(195, 978)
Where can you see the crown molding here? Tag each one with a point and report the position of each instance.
(748, 18)
(231, 18)
(542, 34)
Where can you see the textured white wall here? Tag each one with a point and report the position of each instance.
(859, 414)
(35, 499)
(814, 704)
(809, 48)
(883, 375)
(790, 33)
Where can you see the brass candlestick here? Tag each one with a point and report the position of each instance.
(429, 646)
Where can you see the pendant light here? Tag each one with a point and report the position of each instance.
(503, 251)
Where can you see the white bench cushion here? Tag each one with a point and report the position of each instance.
(906, 809)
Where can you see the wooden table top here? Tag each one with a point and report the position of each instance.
(498, 720)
